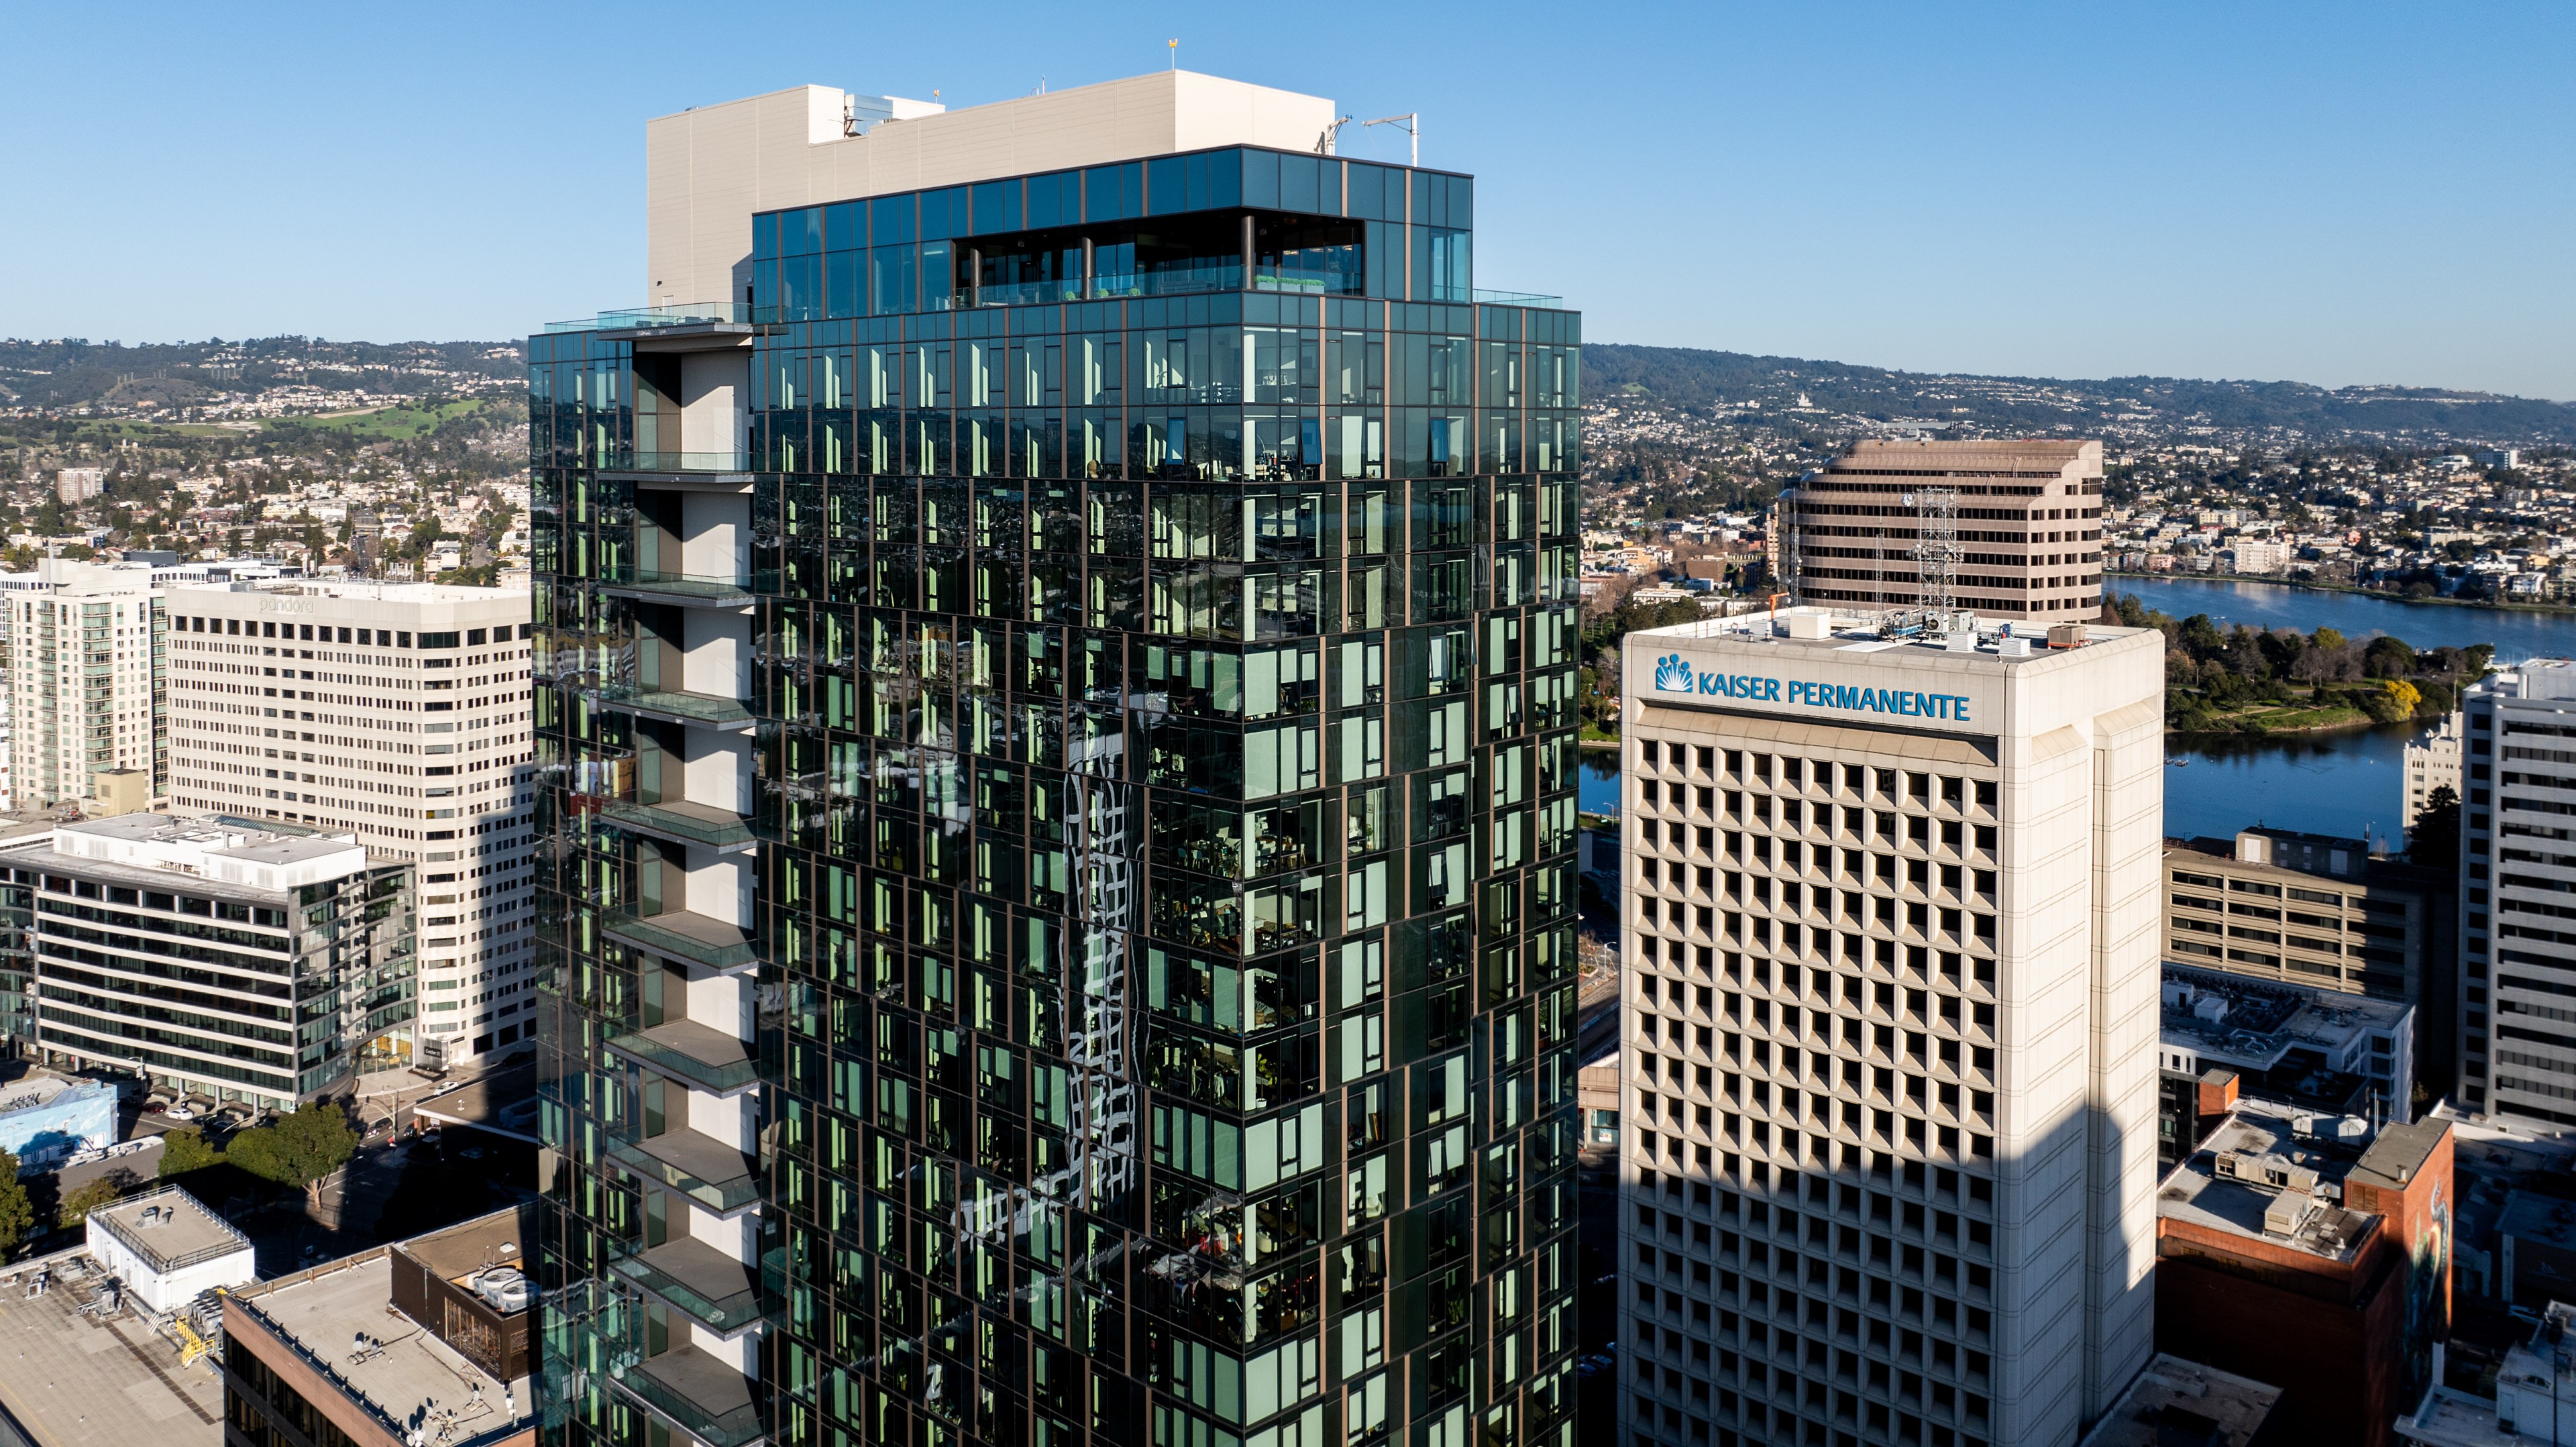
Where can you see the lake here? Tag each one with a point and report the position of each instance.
(2347, 783)
(2516, 635)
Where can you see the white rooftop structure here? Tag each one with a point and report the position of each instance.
(706, 170)
(167, 1248)
(225, 851)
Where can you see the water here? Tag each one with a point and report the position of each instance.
(2350, 783)
(2516, 635)
(1597, 788)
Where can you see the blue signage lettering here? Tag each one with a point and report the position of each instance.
(1674, 674)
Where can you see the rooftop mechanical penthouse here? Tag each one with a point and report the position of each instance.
(1055, 690)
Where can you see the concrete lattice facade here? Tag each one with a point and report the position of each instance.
(1891, 1008)
(398, 713)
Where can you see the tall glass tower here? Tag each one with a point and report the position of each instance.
(1055, 695)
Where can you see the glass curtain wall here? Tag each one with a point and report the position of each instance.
(1160, 713)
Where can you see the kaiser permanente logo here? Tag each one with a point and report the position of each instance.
(1674, 674)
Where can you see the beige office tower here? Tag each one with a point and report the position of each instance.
(85, 667)
(2015, 525)
(1890, 1034)
(397, 712)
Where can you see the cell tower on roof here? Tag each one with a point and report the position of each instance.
(1936, 553)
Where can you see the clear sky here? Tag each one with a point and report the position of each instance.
(2341, 194)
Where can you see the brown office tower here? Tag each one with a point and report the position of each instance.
(2011, 530)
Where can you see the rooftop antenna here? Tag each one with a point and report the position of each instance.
(1936, 553)
(1412, 123)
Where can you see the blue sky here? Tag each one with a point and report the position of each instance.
(2339, 194)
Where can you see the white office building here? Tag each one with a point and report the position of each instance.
(2517, 930)
(397, 712)
(86, 660)
(1889, 1108)
(2433, 762)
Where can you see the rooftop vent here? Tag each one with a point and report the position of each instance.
(2287, 1212)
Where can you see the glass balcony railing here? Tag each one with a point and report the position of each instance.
(695, 1053)
(1517, 298)
(686, 936)
(696, 314)
(696, 1389)
(726, 589)
(689, 823)
(698, 1166)
(735, 460)
(698, 1279)
(703, 708)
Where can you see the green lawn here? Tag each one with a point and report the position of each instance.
(404, 420)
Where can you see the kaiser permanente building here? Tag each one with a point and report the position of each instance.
(1889, 1038)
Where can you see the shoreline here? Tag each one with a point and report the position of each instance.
(2545, 610)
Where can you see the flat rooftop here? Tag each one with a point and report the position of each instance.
(339, 1313)
(357, 590)
(2530, 1216)
(2172, 1395)
(77, 1381)
(169, 1229)
(1860, 633)
(157, 851)
(2257, 1178)
(2255, 1024)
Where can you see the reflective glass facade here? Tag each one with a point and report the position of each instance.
(1056, 711)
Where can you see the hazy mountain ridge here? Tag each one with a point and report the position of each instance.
(73, 372)
(2126, 406)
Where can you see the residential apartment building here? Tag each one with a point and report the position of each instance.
(2023, 540)
(1055, 685)
(395, 713)
(86, 665)
(1890, 1016)
(2321, 912)
(2518, 867)
(245, 966)
(2433, 762)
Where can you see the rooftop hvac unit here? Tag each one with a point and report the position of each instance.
(505, 1289)
(2285, 1213)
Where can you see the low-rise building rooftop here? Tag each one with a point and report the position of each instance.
(2173, 1400)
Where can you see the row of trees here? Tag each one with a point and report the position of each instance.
(2211, 672)
(301, 1150)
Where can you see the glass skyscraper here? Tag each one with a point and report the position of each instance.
(1055, 700)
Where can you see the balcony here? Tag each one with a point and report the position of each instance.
(699, 314)
(700, 1392)
(714, 943)
(689, 590)
(706, 709)
(698, 1280)
(669, 464)
(693, 1054)
(682, 822)
(698, 1166)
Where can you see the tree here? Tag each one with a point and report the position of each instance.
(97, 1194)
(16, 1212)
(2388, 657)
(2433, 838)
(301, 1149)
(183, 1151)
